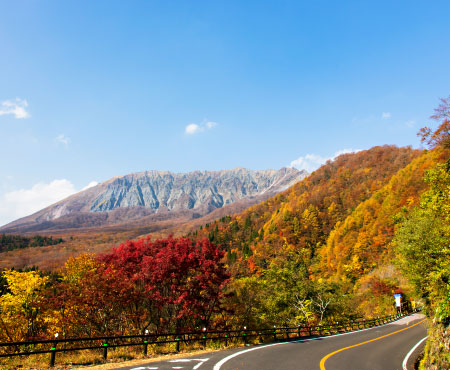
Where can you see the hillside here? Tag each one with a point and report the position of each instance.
(304, 215)
(362, 241)
(328, 235)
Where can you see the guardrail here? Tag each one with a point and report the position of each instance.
(245, 335)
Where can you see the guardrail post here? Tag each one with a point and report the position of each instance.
(226, 340)
(145, 343)
(245, 336)
(274, 332)
(178, 344)
(53, 353)
(105, 351)
(204, 337)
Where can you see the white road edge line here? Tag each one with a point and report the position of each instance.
(201, 362)
(225, 359)
(197, 366)
(405, 361)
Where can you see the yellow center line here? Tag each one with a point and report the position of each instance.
(322, 361)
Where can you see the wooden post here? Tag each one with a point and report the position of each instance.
(53, 355)
(145, 343)
(105, 351)
(145, 347)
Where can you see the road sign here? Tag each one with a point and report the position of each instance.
(398, 298)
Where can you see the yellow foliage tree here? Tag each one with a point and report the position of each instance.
(20, 316)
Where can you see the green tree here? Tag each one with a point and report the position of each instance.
(423, 243)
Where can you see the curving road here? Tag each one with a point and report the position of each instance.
(380, 348)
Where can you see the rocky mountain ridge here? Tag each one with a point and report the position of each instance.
(157, 195)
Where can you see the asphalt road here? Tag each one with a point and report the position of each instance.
(379, 348)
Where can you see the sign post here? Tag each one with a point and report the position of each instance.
(398, 302)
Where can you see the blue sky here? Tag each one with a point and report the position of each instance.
(94, 89)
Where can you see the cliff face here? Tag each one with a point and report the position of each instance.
(137, 195)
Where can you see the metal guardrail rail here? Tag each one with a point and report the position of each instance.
(245, 335)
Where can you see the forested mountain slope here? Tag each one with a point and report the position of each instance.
(304, 215)
(359, 243)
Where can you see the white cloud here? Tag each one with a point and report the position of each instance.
(23, 202)
(90, 185)
(63, 139)
(311, 162)
(386, 115)
(17, 108)
(194, 128)
(410, 124)
(344, 151)
(211, 124)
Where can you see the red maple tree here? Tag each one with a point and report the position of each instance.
(180, 282)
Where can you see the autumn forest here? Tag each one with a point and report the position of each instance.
(336, 245)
